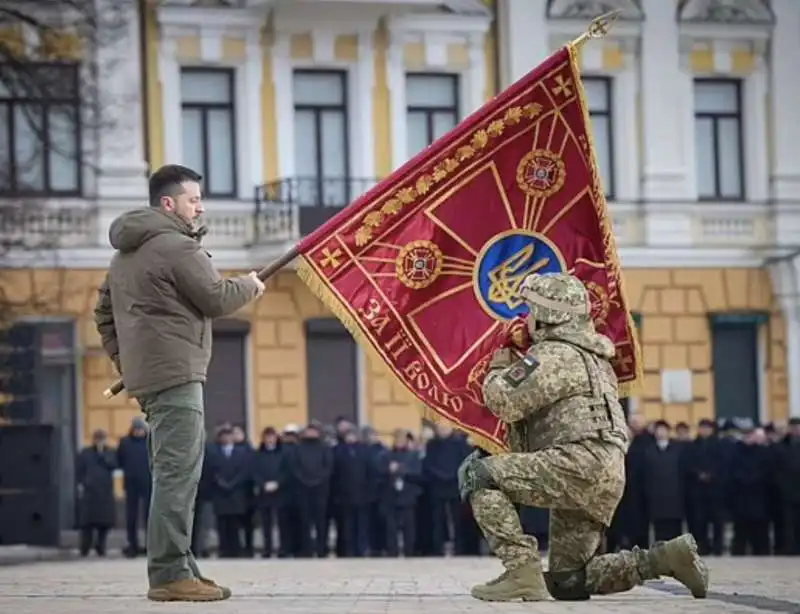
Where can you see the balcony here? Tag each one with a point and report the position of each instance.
(288, 209)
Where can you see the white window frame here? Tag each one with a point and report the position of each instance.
(351, 181)
(234, 103)
(715, 116)
(211, 25)
(457, 90)
(435, 32)
(359, 101)
(608, 82)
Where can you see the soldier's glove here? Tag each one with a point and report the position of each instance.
(502, 358)
(472, 474)
(517, 334)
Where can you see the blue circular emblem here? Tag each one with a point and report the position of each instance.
(504, 263)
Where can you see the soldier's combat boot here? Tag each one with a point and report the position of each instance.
(678, 558)
(525, 582)
(190, 589)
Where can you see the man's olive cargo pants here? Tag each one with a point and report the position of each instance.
(176, 446)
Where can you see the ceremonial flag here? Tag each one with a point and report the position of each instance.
(424, 268)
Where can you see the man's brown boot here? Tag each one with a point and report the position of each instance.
(226, 592)
(678, 558)
(190, 589)
(526, 583)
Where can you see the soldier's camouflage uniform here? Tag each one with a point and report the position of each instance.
(568, 439)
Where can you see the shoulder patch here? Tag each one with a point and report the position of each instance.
(520, 371)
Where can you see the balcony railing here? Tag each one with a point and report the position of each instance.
(30, 226)
(290, 208)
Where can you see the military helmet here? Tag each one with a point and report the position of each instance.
(555, 298)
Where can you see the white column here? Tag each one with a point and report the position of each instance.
(626, 137)
(663, 101)
(523, 34)
(252, 166)
(365, 77)
(169, 73)
(792, 315)
(785, 278)
(785, 96)
(476, 75)
(755, 131)
(284, 107)
(122, 168)
(396, 77)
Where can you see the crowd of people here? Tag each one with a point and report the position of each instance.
(338, 490)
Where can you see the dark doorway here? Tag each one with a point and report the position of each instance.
(58, 408)
(226, 385)
(735, 356)
(332, 371)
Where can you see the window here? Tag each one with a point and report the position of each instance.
(40, 130)
(208, 132)
(718, 139)
(320, 137)
(432, 108)
(598, 96)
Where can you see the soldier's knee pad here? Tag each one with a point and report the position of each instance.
(567, 585)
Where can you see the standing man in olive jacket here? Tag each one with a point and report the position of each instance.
(154, 314)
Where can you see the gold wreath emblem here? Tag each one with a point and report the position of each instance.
(601, 302)
(541, 173)
(419, 264)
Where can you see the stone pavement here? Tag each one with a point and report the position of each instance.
(373, 586)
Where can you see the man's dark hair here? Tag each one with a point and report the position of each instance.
(167, 181)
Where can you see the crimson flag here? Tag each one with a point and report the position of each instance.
(424, 268)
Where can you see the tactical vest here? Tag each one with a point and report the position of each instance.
(595, 416)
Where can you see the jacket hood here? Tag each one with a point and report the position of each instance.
(133, 229)
(580, 332)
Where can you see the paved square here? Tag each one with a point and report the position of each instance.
(372, 586)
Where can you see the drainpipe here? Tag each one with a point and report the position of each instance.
(144, 65)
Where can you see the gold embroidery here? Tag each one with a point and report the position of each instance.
(443, 169)
(331, 258)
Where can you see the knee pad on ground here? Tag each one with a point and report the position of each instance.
(567, 585)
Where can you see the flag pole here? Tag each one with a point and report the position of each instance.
(598, 28)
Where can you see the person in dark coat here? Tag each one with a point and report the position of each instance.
(94, 476)
(631, 523)
(705, 489)
(133, 460)
(266, 472)
(749, 489)
(788, 478)
(424, 546)
(401, 471)
(664, 485)
(230, 464)
(289, 524)
(248, 518)
(353, 475)
(310, 464)
(376, 520)
(440, 466)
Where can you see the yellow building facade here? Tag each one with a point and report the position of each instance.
(684, 308)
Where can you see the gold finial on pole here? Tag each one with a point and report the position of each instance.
(599, 27)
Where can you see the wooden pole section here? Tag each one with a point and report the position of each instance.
(598, 28)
